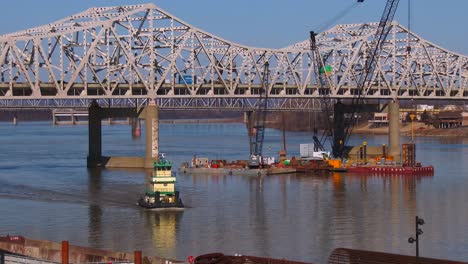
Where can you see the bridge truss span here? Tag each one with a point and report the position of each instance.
(143, 52)
(196, 103)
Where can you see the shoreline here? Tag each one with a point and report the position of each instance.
(420, 130)
(200, 120)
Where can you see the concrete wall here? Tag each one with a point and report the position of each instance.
(51, 251)
(125, 162)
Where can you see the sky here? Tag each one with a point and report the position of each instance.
(266, 23)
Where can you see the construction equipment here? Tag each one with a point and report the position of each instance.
(365, 79)
(323, 81)
(256, 141)
(322, 76)
(345, 116)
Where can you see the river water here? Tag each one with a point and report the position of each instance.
(46, 192)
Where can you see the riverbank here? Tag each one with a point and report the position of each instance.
(205, 116)
(420, 129)
(201, 121)
(291, 121)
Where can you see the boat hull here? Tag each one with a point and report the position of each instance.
(160, 205)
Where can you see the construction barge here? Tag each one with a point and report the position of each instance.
(386, 165)
(238, 168)
(326, 166)
(390, 169)
(361, 161)
(236, 171)
(241, 167)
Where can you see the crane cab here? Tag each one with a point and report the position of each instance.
(255, 161)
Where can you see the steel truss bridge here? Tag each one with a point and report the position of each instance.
(127, 55)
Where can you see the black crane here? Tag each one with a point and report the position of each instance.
(342, 125)
(365, 79)
(256, 142)
(323, 81)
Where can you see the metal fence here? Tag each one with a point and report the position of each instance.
(18, 259)
(11, 258)
(348, 256)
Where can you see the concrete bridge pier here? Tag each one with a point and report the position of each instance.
(248, 120)
(95, 116)
(394, 131)
(95, 158)
(136, 127)
(152, 134)
(339, 111)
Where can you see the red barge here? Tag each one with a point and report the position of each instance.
(382, 169)
(375, 164)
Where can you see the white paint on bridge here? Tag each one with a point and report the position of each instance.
(143, 52)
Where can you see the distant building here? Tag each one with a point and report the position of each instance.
(424, 107)
(451, 119)
(450, 108)
(379, 119)
(464, 119)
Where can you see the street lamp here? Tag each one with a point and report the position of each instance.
(411, 240)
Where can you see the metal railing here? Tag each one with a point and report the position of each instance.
(6, 258)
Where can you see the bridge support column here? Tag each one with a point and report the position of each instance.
(394, 131)
(94, 133)
(136, 127)
(15, 120)
(54, 119)
(249, 126)
(338, 129)
(152, 134)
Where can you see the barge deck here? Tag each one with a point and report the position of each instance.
(237, 171)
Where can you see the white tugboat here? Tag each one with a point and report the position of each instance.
(162, 193)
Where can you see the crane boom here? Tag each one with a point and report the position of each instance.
(383, 30)
(321, 72)
(323, 81)
(365, 78)
(256, 159)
